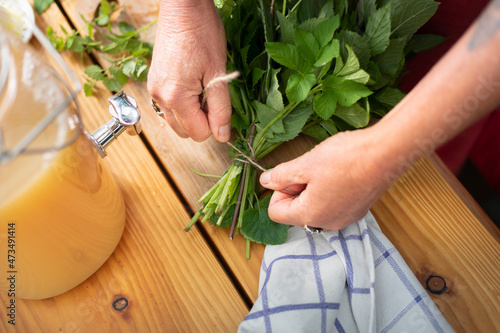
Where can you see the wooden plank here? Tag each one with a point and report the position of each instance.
(171, 279)
(438, 234)
(418, 214)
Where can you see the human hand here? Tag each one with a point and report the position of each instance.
(331, 186)
(190, 50)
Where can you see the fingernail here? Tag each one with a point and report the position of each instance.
(224, 132)
(265, 178)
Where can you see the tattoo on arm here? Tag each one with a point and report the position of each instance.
(488, 25)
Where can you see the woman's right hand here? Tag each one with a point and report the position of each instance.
(190, 50)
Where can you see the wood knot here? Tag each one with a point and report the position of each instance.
(436, 284)
(120, 304)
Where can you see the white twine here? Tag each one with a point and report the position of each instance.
(216, 80)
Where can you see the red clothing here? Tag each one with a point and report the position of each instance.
(481, 141)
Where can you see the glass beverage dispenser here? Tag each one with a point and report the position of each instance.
(61, 212)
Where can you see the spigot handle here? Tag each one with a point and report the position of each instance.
(126, 115)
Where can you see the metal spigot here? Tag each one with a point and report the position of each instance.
(126, 116)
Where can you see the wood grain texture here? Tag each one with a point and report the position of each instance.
(437, 233)
(437, 230)
(170, 279)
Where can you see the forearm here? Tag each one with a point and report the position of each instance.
(461, 88)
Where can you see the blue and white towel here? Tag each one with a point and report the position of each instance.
(352, 280)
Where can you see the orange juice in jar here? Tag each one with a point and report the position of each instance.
(61, 213)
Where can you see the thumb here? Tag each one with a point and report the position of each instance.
(289, 176)
(218, 106)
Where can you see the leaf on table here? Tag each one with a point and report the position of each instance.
(95, 72)
(378, 30)
(259, 228)
(42, 5)
(111, 84)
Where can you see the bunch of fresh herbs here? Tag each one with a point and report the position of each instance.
(131, 55)
(308, 66)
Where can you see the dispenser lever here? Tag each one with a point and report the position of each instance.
(126, 115)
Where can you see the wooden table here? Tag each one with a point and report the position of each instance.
(161, 278)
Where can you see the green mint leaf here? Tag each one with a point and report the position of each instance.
(424, 42)
(358, 45)
(341, 6)
(274, 97)
(115, 47)
(353, 115)
(226, 220)
(329, 126)
(111, 84)
(327, 10)
(317, 132)
(378, 30)
(287, 29)
(42, 5)
(257, 74)
(347, 92)
(128, 67)
(95, 72)
(325, 104)
(368, 8)
(374, 72)
(293, 124)
(265, 115)
(327, 53)
(389, 96)
(298, 86)
(87, 89)
(284, 54)
(239, 122)
(360, 77)
(118, 75)
(325, 30)
(350, 66)
(311, 25)
(142, 73)
(78, 44)
(125, 27)
(259, 228)
(408, 16)
(306, 45)
(391, 61)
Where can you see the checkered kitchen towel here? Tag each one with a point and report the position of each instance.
(352, 280)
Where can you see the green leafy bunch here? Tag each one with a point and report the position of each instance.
(131, 55)
(315, 67)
